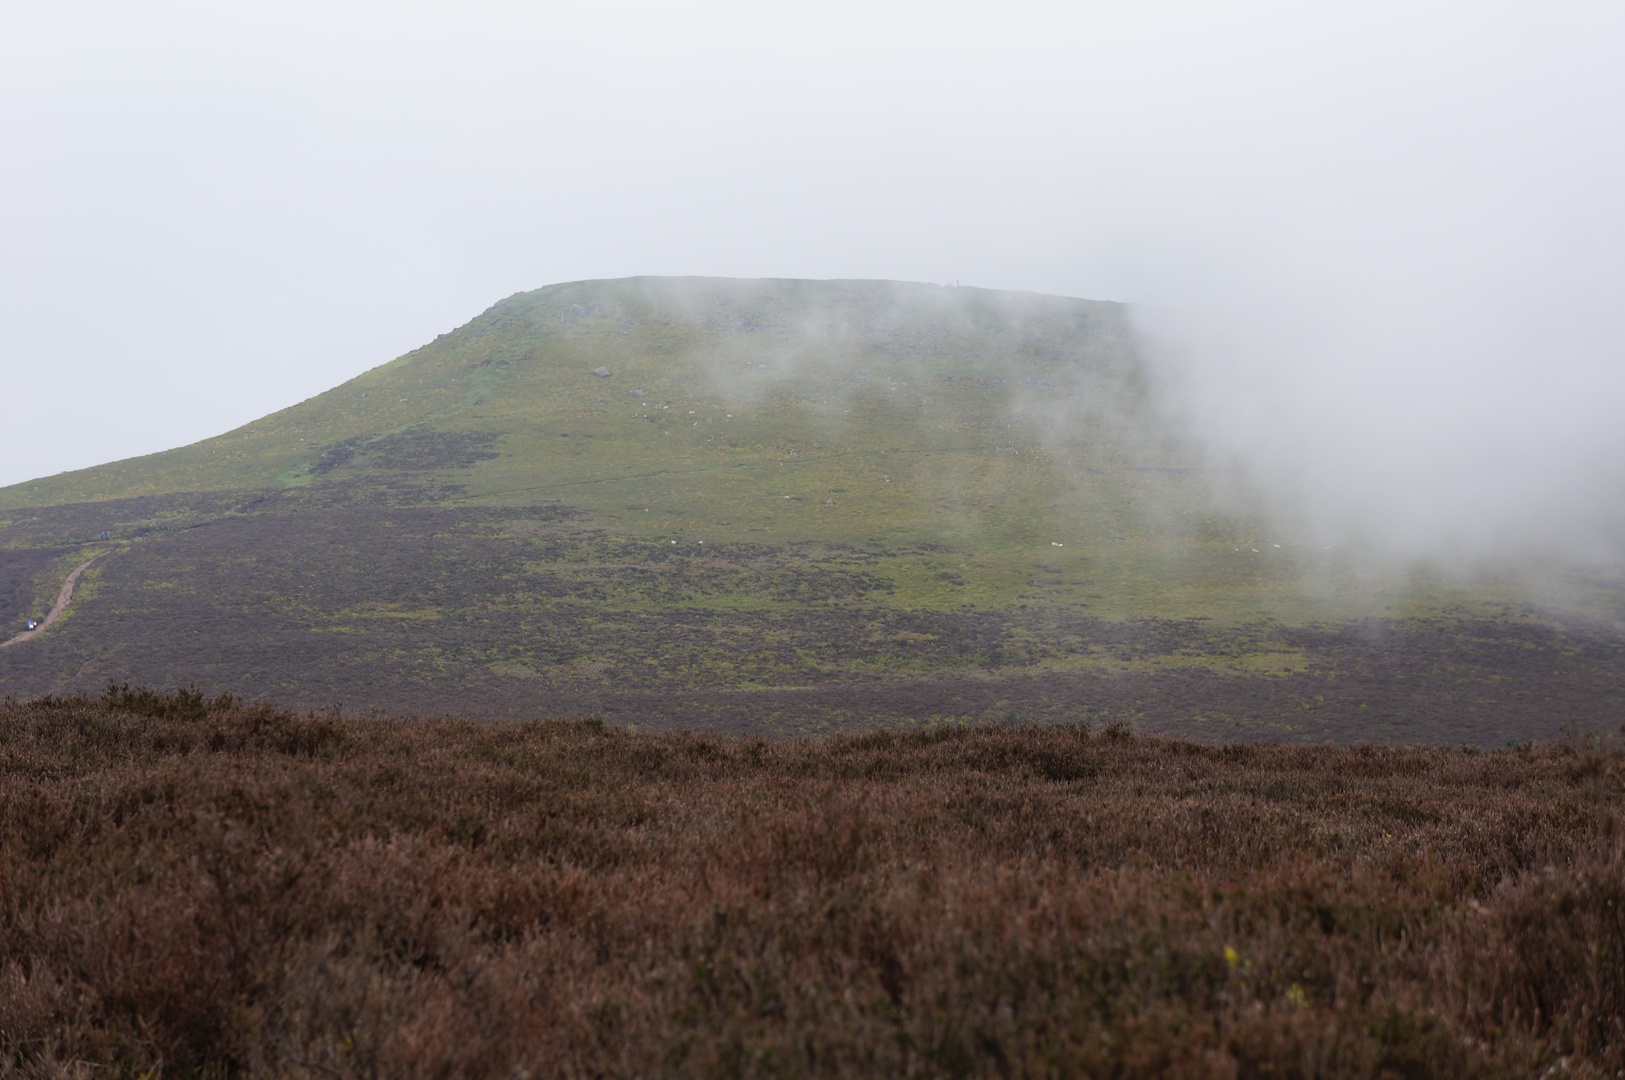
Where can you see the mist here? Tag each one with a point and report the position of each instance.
(1392, 301)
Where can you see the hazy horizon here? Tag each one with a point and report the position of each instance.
(1376, 252)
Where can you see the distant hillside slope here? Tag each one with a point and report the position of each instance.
(771, 504)
(721, 373)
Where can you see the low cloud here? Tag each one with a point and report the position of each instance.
(1389, 293)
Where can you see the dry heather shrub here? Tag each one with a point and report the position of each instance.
(1547, 952)
(203, 887)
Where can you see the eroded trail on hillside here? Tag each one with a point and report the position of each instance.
(63, 595)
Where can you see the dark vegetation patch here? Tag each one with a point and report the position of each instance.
(1183, 703)
(416, 450)
(20, 572)
(369, 593)
(125, 519)
(344, 592)
(197, 886)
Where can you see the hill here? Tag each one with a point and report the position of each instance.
(770, 505)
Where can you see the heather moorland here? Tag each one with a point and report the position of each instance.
(195, 886)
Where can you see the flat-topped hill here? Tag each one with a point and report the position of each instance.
(767, 505)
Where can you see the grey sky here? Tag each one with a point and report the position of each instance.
(1373, 241)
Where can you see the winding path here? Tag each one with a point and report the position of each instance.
(62, 598)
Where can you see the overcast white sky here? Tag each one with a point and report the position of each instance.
(1375, 239)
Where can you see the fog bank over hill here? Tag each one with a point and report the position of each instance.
(1435, 427)
(208, 213)
(1392, 299)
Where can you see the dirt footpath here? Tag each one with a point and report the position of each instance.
(62, 597)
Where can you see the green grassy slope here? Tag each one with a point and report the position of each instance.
(778, 485)
(868, 413)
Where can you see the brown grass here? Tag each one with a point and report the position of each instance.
(191, 886)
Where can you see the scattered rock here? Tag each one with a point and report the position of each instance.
(639, 393)
(601, 372)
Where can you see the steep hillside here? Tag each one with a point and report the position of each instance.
(772, 504)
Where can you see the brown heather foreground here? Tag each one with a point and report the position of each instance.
(197, 887)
